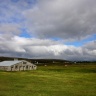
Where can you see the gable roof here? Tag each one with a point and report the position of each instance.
(9, 63)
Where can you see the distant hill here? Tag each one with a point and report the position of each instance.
(36, 61)
(48, 61)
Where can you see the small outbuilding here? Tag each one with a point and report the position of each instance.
(17, 65)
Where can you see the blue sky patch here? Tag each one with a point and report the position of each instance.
(82, 42)
(15, 1)
(25, 33)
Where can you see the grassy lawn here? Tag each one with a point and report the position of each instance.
(50, 81)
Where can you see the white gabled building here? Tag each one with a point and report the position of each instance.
(17, 65)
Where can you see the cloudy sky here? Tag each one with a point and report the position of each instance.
(56, 29)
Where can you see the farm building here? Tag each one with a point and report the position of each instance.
(17, 65)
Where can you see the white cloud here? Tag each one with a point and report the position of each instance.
(44, 48)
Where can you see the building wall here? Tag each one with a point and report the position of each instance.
(3, 67)
(24, 65)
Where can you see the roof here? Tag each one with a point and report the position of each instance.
(9, 63)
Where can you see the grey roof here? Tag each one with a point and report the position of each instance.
(9, 63)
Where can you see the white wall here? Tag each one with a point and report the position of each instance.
(24, 65)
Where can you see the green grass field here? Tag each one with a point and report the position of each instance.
(50, 81)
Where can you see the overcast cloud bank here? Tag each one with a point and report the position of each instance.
(45, 48)
(45, 21)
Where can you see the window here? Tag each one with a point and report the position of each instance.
(16, 66)
(24, 62)
(27, 67)
(11, 68)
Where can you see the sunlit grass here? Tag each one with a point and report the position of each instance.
(50, 81)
